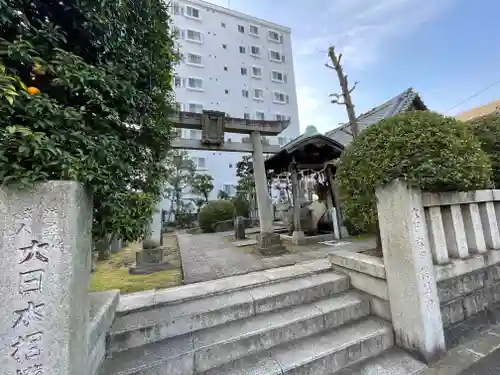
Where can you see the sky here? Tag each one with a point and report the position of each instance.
(447, 50)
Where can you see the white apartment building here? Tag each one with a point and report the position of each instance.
(237, 64)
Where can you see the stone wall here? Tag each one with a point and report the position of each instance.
(441, 252)
(102, 313)
(366, 274)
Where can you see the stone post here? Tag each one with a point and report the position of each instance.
(155, 236)
(45, 262)
(267, 240)
(416, 314)
(297, 234)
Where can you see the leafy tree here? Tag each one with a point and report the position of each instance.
(202, 185)
(246, 183)
(180, 172)
(99, 77)
(487, 129)
(430, 151)
(223, 195)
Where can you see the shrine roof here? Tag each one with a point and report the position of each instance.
(311, 149)
(408, 99)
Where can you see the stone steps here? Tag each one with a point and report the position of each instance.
(166, 321)
(392, 362)
(320, 330)
(321, 354)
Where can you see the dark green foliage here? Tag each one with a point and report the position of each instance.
(487, 129)
(214, 211)
(241, 206)
(100, 66)
(428, 150)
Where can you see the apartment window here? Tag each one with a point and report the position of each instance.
(224, 46)
(192, 12)
(195, 83)
(194, 134)
(226, 91)
(177, 81)
(244, 93)
(255, 51)
(256, 72)
(281, 141)
(178, 9)
(195, 107)
(259, 115)
(278, 76)
(280, 117)
(225, 68)
(201, 163)
(241, 28)
(194, 59)
(244, 71)
(254, 30)
(258, 94)
(243, 50)
(275, 36)
(194, 36)
(279, 97)
(230, 165)
(222, 24)
(276, 56)
(246, 116)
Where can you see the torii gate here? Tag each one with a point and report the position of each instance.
(213, 125)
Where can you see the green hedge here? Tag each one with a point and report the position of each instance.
(428, 150)
(214, 211)
(241, 207)
(487, 129)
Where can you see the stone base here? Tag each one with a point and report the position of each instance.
(147, 269)
(270, 244)
(297, 239)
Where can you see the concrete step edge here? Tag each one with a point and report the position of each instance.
(326, 318)
(394, 361)
(287, 358)
(203, 305)
(180, 357)
(135, 302)
(127, 336)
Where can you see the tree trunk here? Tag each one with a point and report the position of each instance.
(346, 91)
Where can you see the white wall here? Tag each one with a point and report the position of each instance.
(222, 166)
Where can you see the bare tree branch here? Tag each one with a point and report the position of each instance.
(337, 101)
(346, 92)
(353, 87)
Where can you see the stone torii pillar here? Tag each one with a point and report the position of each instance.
(268, 242)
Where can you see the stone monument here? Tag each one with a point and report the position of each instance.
(45, 261)
(148, 261)
(239, 228)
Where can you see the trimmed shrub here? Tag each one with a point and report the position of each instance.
(214, 211)
(487, 130)
(241, 207)
(428, 150)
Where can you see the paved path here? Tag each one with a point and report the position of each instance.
(210, 256)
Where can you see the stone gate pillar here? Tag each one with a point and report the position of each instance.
(45, 261)
(267, 240)
(411, 282)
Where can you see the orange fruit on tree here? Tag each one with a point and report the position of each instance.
(33, 90)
